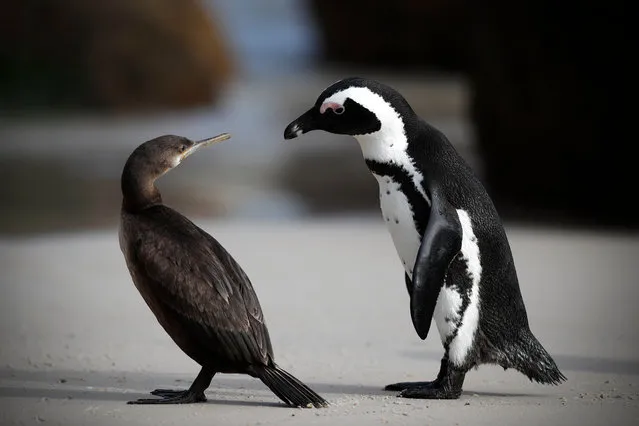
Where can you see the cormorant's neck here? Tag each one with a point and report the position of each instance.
(138, 187)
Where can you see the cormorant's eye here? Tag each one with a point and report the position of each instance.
(182, 148)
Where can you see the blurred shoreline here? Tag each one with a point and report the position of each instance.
(64, 171)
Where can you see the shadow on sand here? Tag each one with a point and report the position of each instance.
(127, 386)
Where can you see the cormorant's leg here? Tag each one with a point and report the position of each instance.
(449, 386)
(194, 394)
(443, 370)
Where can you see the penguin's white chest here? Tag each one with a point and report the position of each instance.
(398, 215)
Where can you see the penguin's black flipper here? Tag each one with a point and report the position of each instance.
(440, 244)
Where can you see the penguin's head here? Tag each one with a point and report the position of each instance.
(354, 106)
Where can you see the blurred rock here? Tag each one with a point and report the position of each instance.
(114, 55)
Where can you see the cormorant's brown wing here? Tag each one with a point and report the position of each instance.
(205, 288)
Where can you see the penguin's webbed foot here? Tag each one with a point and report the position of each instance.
(169, 396)
(448, 385)
(430, 392)
(168, 393)
(410, 385)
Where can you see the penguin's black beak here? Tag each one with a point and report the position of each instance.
(303, 124)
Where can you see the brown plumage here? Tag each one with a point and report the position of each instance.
(197, 291)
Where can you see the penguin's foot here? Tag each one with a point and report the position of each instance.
(168, 393)
(430, 392)
(443, 372)
(410, 385)
(169, 396)
(448, 385)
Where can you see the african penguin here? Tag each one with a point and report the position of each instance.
(458, 265)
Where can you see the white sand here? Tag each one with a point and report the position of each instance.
(77, 341)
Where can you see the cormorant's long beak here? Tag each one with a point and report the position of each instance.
(303, 124)
(205, 142)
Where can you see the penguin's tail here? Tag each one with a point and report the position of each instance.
(530, 358)
(289, 389)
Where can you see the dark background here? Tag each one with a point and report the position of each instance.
(536, 95)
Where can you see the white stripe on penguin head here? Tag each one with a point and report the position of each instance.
(389, 143)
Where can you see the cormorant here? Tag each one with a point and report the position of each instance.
(199, 294)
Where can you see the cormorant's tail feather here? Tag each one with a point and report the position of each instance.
(530, 358)
(289, 389)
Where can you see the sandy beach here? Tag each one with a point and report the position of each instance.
(77, 341)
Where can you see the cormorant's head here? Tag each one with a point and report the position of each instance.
(151, 160)
(354, 106)
(163, 153)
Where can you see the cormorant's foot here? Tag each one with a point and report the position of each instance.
(178, 397)
(410, 385)
(430, 392)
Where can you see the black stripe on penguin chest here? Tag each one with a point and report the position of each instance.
(399, 175)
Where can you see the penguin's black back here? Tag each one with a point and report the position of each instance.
(438, 161)
(503, 321)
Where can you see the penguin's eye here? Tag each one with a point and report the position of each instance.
(182, 148)
(334, 107)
